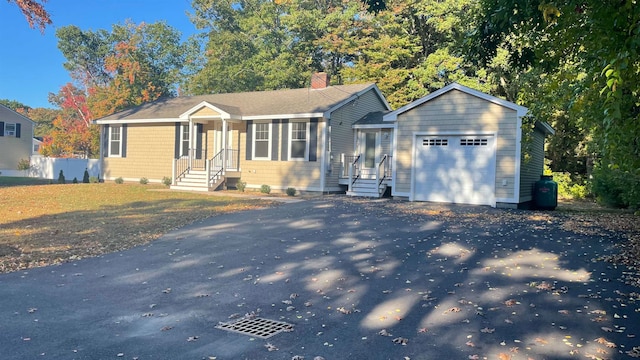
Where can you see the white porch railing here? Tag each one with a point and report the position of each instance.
(351, 169)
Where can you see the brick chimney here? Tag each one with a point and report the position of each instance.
(319, 80)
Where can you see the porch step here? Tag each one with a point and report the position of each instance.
(196, 180)
(366, 188)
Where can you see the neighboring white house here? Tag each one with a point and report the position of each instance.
(16, 139)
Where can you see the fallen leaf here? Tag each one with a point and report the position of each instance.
(401, 341)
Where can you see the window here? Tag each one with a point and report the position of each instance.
(184, 141)
(473, 142)
(299, 145)
(9, 129)
(435, 142)
(262, 141)
(115, 141)
(36, 148)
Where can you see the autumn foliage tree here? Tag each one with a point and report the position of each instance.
(72, 133)
(34, 12)
(131, 65)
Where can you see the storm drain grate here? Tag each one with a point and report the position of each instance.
(256, 327)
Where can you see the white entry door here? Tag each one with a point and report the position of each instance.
(455, 169)
(369, 153)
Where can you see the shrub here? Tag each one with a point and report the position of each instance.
(85, 177)
(24, 165)
(75, 180)
(241, 185)
(265, 189)
(570, 187)
(167, 181)
(144, 181)
(291, 191)
(94, 179)
(119, 180)
(617, 188)
(61, 179)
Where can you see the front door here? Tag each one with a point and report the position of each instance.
(218, 143)
(369, 144)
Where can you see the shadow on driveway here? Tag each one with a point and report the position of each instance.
(358, 279)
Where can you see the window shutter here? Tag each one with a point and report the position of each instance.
(199, 141)
(18, 126)
(285, 140)
(176, 148)
(313, 140)
(105, 141)
(1, 128)
(249, 139)
(123, 139)
(275, 130)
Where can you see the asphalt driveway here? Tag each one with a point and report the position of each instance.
(357, 279)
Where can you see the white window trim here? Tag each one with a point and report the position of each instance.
(183, 128)
(12, 133)
(290, 137)
(119, 142)
(253, 147)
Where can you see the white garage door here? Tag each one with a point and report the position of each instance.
(455, 169)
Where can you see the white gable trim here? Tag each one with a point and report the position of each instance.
(19, 115)
(138, 121)
(188, 113)
(393, 116)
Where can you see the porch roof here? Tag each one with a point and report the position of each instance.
(275, 104)
(374, 120)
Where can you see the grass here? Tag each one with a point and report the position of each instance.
(48, 224)
(22, 181)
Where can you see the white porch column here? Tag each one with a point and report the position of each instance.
(225, 156)
(191, 137)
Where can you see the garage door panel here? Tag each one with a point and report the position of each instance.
(456, 169)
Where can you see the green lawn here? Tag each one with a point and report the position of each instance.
(48, 224)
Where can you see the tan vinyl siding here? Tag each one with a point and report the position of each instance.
(280, 175)
(150, 152)
(456, 112)
(205, 111)
(532, 165)
(13, 149)
(342, 132)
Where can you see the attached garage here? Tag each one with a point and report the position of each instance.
(454, 168)
(459, 145)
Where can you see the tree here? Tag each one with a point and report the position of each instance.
(547, 36)
(34, 12)
(249, 46)
(72, 133)
(131, 65)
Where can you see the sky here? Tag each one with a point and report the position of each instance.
(30, 62)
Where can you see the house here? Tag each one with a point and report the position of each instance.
(455, 145)
(16, 134)
(37, 144)
(282, 138)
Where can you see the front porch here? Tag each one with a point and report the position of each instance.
(197, 173)
(364, 177)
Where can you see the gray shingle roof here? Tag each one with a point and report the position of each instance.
(257, 103)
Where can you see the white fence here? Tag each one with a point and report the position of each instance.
(49, 168)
